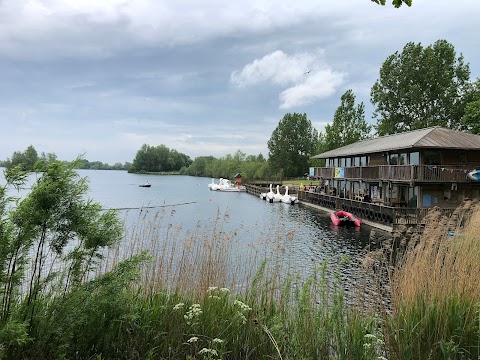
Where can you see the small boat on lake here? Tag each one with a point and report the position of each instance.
(147, 184)
(226, 185)
(344, 218)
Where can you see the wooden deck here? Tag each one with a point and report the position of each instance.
(400, 173)
(377, 213)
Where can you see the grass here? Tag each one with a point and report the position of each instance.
(199, 294)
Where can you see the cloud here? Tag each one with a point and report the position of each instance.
(276, 67)
(312, 78)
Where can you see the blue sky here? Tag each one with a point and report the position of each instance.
(202, 77)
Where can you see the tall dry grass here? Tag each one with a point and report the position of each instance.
(436, 290)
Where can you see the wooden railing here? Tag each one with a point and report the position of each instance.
(417, 173)
(382, 214)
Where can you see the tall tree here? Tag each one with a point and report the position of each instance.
(421, 87)
(348, 124)
(292, 143)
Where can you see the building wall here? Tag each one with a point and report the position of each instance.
(377, 159)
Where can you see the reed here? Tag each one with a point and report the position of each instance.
(199, 294)
(436, 291)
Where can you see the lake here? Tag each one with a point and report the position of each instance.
(307, 236)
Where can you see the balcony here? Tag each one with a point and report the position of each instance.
(400, 173)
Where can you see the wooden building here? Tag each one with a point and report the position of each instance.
(413, 170)
(416, 169)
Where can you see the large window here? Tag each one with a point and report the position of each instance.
(393, 159)
(348, 162)
(335, 162)
(356, 161)
(402, 159)
(432, 157)
(414, 158)
(363, 161)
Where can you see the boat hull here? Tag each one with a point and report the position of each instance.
(344, 218)
(474, 175)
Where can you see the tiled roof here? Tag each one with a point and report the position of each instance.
(434, 137)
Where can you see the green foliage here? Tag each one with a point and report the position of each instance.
(291, 144)
(26, 159)
(421, 87)
(471, 118)
(53, 225)
(249, 166)
(348, 124)
(396, 3)
(447, 328)
(93, 318)
(158, 158)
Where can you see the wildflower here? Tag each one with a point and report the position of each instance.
(212, 352)
(192, 339)
(367, 346)
(382, 358)
(242, 317)
(217, 341)
(212, 288)
(214, 297)
(193, 312)
(243, 306)
(178, 306)
(370, 337)
(225, 290)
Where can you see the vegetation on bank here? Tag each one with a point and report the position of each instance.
(29, 160)
(161, 293)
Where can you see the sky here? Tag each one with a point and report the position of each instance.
(203, 77)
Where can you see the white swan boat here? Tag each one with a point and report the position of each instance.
(271, 196)
(225, 185)
(288, 199)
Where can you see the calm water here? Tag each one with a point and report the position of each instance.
(311, 236)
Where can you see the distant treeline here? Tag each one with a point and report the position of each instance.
(29, 159)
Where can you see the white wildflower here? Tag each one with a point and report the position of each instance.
(208, 351)
(178, 306)
(217, 341)
(243, 306)
(367, 346)
(214, 297)
(193, 312)
(382, 358)
(370, 336)
(192, 339)
(242, 317)
(212, 288)
(225, 290)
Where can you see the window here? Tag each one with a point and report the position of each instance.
(363, 161)
(393, 159)
(342, 162)
(335, 162)
(462, 157)
(432, 157)
(348, 162)
(402, 159)
(414, 158)
(356, 161)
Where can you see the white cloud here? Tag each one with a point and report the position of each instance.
(319, 84)
(311, 76)
(276, 67)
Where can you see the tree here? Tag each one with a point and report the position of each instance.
(158, 158)
(396, 3)
(348, 124)
(292, 143)
(471, 119)
(26, 159)
(54, 221)
(421, 87)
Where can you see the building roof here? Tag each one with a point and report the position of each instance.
(434, 137)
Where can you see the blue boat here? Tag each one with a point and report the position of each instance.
(474, 175)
